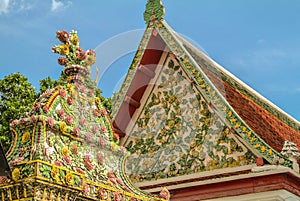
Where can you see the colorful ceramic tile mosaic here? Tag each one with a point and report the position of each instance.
(65, 149)
(177, 133)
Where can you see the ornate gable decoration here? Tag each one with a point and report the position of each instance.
(178, 133)
(206, 88)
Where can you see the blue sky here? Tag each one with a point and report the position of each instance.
(257, 40)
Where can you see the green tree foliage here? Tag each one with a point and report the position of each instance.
(107, 102)
(17, 96)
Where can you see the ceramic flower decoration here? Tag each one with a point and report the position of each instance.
(70, 51)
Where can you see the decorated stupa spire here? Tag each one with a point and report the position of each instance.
(66, 148)
(155, 11)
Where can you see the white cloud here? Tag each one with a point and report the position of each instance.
(4, 5)
(15, 6)
(59, 5)
(23, 6)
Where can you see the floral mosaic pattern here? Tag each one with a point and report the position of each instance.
(67, 142)
(209, 91)
(177, 133)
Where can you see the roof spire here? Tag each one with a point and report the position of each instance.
(155, 11)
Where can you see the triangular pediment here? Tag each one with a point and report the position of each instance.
(177, 132)
(200, 130)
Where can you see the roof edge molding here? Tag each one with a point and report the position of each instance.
(155, 11)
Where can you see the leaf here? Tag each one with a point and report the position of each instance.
(176, 67)
(178, 148)
(171, 64)
(77, 180)
(62, 174)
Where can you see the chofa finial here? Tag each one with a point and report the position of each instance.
(290, 150)
(155, 11)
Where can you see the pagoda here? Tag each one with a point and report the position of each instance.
(65, 149)
(197, 129)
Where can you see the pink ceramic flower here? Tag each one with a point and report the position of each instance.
(3, 180)
(111, 175)
(62, 36)
(79, 170)
(46, 109)
(69, 120)
(87, 157)
(76, 132)
(70, 100)
(103, 129)
(164, 193)
(50, 121)
(89, 166)
(94, 129)
(36, 107)
(104, 112)
(61, 114)
(82, 122)
(102, 141)
(32, 119)
(67, 159)
(58, 163)
(62, 93)
(62, 61)
(80, 55)
(23, 121)
(88, 137)
(91, 93)
(14, 123)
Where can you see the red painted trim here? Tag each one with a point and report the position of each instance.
(238, 187)
(140, 82)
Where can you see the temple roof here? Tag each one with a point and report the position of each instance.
(168, 73)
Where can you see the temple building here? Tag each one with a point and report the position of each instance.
(198, 130)
(183, 128)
